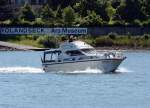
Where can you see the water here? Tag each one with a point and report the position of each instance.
(23, 84)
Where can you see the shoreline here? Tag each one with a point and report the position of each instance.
(115, 48)
(3, 48)
(7, 46)
(123, 48)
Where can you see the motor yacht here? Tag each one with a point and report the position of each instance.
(79, 56)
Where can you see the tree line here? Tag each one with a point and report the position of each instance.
(80, 13)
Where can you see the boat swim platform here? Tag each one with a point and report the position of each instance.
(4, 46)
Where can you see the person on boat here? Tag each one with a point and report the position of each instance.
(71, 38)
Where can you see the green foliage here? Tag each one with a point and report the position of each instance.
(99, 6)
(27, 13)
(130, 10)
(77, 13)
(91, 20)
(117, 23)
(146, 7)
(6, 13)
(100, 41)
(112, 36)
(146, 22)
(69, 16)
(7, 22)
(15, 21)
(103, 41)
(146, 36)
(115, 3)
(25, 22)
(39, 22)
(123, 41)
(58, 13)
(137, 22)
(47, 13)
(129, 36)
(63, 38)
(47, 41)
(80, 7)
(110, 11)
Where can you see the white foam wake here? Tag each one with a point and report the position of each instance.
(39, 70)
(20, 70)
(96, 71)
(88, 71)
(123, 70)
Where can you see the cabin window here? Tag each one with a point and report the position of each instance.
(52, 56)
(74, 53)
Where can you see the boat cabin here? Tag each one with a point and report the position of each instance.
(70, 51)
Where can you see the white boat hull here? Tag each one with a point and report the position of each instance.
(104, 65)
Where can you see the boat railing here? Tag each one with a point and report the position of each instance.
(112, 54)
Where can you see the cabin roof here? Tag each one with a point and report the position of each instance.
(75, 45)
(52, 51)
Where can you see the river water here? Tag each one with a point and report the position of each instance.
(23, 84)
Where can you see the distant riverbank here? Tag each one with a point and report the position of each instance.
(2, 48)
(7, 46)
(110, 42)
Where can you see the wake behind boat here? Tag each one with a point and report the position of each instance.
(79, 56)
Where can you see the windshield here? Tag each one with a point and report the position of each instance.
(74, 53)
(89, 51)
